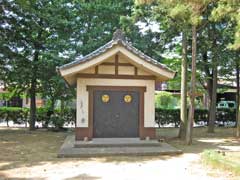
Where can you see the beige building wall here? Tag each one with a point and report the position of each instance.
(82, 97)
(126, 70)
(106, 69)
(90, 70)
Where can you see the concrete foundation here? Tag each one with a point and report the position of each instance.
(100, 147)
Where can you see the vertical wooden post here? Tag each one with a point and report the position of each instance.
(135, 71)
(116, 64)
(96, 69)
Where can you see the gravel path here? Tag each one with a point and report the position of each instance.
(185, 167)
(32, 155)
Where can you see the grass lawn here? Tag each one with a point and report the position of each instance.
(34, 155)
(21, 145)
(227, 161)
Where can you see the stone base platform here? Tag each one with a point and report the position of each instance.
(100, 147)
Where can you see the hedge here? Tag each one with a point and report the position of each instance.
(43, 115)
(58, 118)
(167, 116)
(172, 116)
(226, 115)
(17, 115)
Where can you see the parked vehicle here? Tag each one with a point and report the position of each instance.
(226, 104)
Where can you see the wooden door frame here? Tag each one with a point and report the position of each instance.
(82, 132)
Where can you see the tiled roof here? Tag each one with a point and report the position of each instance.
(118, 39)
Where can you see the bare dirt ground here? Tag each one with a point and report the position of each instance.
(32, 155)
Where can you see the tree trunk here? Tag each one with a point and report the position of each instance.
(62, 107)
(212, 111)
(209, 90)
(237, 100)
(32, 105)
(183, 113)
(33, 93)
(192, 88)
(209, 82)
(49, 113)
(7, 120)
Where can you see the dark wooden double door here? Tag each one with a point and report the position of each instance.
(115, 113)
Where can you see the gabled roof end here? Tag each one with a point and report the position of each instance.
(119, 35)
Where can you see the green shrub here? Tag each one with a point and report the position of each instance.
(163, 116)
(172, 116)
(43, 115)
(167, 116)
(165, 100)
(57, 121)
(16, 114)
(226, 115)
(69, 115)
(56, 118)
(201, 115)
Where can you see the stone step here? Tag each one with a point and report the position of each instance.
(159, 148)
(119, 151)
(116, 142)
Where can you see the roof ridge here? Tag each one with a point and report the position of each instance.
(139, 52)
(118, 38)
(79, 59)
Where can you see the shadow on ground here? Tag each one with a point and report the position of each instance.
(223, 139)
(83, 177)
(23, 149)
(201, 144)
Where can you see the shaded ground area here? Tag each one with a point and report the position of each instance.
(222, 139)
(33, 155)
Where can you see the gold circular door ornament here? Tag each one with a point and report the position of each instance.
(128, 98)
(105, 98)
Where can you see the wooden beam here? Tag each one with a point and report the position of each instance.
(135, 71)
(107, 64)
(96, 69)
(116, 64)
(125, 64)
(117, 88)
(113, 64)
(109, 76)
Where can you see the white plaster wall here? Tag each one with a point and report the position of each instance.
(82, 97)
(126, 70)
(82, 104)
